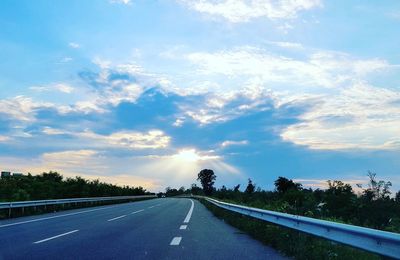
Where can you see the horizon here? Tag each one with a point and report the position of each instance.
(148, 94)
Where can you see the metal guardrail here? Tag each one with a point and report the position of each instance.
(372, 240)
(34, 203)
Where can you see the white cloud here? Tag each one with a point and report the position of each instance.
(358, 117)
(225, 106)
(66, 59)
(230, 143)
(102, 63)
(21, 108)
(64, 88)
(61, 87)
(4, 138)
(61, 160)
(322, 68)
(179, 122)
(51, 131)
(74, 45)
(154, 139)
(288, 45)
(237, 11)
(125, 2)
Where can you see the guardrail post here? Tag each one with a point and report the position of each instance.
(9, 210)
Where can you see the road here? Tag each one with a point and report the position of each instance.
(167, 228)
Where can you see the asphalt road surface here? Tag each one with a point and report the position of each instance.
(167, 228)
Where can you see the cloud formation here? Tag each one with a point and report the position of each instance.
(64, 88)
(358, 117)
(319, 68)
(239, 11)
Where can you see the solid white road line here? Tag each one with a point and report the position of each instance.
(189, 215)
(58, 216)
(50, 238)
(176, 241)
(150, 207)
(183, 227)
(117, 218)
(137, 211)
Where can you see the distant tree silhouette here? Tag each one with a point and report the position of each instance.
(52, 185)
(195, 189)
(377, 189)
(207, 178)
(236, 188)
(397, 197)
(250, 187)
(169, 192)
(283, 184)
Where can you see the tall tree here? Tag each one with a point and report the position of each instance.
(283, 184)
(250, 187)
(207, 178)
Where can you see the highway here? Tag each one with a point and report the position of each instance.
(166, 228)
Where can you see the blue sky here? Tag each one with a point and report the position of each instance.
(150, 92)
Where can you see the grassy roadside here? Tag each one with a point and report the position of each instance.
(289, 242)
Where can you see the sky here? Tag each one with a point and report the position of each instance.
(150, 92)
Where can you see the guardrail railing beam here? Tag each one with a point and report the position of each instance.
(45, 203)
(372, 240)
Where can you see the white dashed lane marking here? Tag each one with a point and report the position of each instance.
(117, 218)
(176, 241)
(50, 238)
(137, 211)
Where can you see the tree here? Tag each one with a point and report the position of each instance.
(250, 187)
(397, 197)
(340, 199)
(195, 189)
(283, 184)
(376, 189)
(207, 178)
(51, 176)
(182, 189)
(236, 188)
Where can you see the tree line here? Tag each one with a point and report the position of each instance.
(373, 206)
(52, 185)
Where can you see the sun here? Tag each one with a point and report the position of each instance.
(188, 155)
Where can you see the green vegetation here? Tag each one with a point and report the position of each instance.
(207, 178)
(52, 185)
(372, 207)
